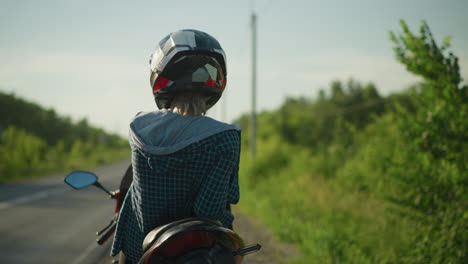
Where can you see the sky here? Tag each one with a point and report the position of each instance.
(89, 59)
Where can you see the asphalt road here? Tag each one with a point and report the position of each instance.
(46, 221)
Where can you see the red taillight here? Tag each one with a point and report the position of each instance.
(187, 241)
(182, 243)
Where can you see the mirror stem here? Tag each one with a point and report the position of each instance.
(97, 184)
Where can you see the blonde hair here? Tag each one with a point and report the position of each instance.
(189, 103)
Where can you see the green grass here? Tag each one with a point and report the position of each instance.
(328, 224)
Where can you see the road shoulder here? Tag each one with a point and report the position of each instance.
(253, 231)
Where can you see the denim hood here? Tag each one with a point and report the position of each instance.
(164, 132)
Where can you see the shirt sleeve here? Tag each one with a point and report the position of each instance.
(234, 194)
(221, 184)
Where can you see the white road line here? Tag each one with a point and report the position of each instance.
(27, 199)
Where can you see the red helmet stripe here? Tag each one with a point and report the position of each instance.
(161, 82)
(211, 83)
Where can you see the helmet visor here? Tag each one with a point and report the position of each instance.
(196, 69)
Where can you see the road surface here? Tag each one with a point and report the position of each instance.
(46, 221)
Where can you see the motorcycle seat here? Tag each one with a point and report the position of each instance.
(172, 228)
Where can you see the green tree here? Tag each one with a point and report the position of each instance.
(436, 178)
(20, 153)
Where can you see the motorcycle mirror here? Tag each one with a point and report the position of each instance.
(80, 179)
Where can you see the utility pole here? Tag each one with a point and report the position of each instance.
(253, 119)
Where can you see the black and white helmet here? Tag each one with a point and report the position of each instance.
(187, 61)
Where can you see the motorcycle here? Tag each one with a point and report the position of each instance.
(194, 240)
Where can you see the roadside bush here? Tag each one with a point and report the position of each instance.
(368, 185)
(23, 155)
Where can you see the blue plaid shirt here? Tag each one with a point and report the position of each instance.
(198, 180)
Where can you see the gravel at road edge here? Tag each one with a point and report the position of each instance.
(252, 231)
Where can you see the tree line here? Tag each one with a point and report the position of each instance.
(35, 140)
(354, 177)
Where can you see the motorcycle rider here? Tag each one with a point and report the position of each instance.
(185, 164)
